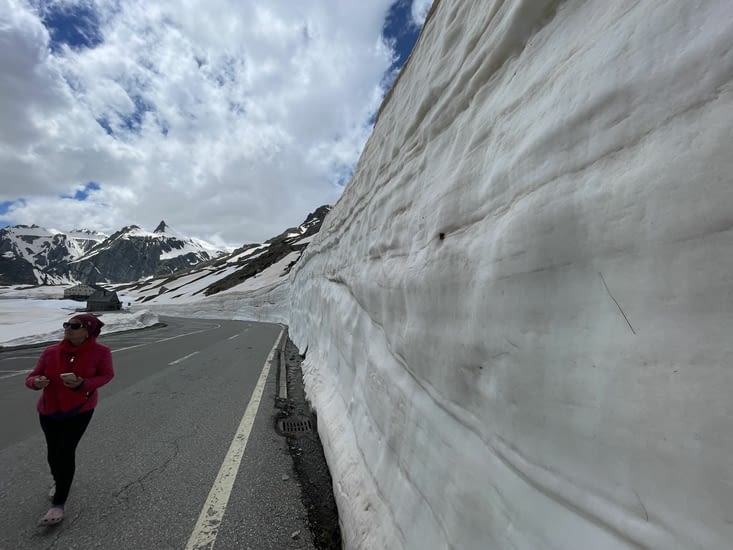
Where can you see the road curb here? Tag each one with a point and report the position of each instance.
(282, 366)
(298, 423)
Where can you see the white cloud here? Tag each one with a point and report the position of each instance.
(230, 120)
(420, 9)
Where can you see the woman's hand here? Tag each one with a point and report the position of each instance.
(73, 383)
(40, 382)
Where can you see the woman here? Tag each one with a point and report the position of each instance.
(69, 374)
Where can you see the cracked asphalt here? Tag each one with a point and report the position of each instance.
(157, 440)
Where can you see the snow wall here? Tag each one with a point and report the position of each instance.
(260, 304)
(518, 315)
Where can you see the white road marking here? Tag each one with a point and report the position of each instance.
(17, 357)
(15, 373)
(190, 333)
(207, 527)
(18, 373)
(183, 358)
(233, 337)
(164, 339)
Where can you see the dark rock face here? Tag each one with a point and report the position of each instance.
(16, 271)
(128, 256)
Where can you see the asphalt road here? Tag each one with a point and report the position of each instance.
(159, 441)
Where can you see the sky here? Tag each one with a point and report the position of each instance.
(229, 119)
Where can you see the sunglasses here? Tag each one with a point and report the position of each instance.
(73, 326)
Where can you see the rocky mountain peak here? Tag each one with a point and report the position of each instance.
(162, 226)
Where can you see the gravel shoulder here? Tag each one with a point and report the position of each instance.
(299, 424)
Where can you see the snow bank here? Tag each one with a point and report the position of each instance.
(268, 303)
(518, 314)
(30, 321)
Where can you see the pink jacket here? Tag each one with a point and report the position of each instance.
(94, 366)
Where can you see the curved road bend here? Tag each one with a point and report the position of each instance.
(165, 442)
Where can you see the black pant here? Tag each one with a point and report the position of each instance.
(62, 437)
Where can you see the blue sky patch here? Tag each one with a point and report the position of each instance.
(131, 122)
(134, 121)
(104, 123)
(5, 206)
(83, 194)
(5, 219)
(74, 25)
(401, 31)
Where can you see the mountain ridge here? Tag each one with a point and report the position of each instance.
(36, 255)
(31, 254)
(244, 263)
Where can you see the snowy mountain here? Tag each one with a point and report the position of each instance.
(34, 255)
(250, 266)
(132, 254)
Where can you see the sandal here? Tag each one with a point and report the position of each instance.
(54, 515)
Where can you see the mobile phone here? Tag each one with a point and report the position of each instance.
(68, 376)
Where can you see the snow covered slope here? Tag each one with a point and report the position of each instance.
(132, 254)
(250, 283)
(518, 315)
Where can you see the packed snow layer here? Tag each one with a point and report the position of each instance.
(518, 314)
